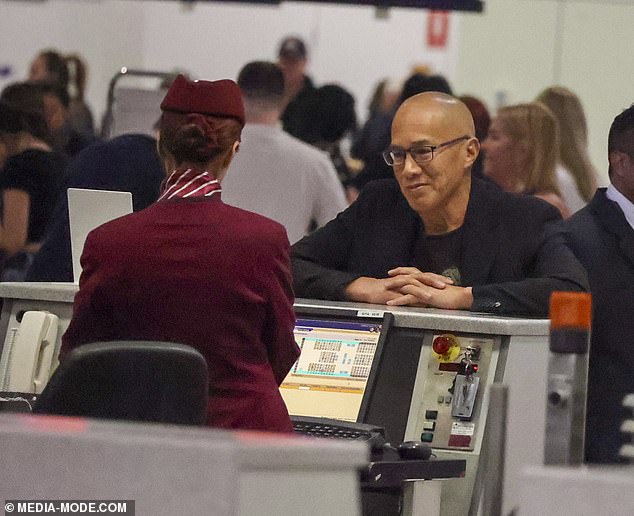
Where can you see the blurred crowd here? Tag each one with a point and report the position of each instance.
(538, 148)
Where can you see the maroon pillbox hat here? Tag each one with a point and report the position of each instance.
(217, 98)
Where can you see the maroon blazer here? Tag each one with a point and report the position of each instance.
(202, 273)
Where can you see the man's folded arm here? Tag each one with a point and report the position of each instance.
(319, 260)
(554, 268)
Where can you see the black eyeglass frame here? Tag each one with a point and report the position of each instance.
(426, 150)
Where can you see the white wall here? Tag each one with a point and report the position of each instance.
(521, 46)
(511, 52)
(107, 34)
(347, 44)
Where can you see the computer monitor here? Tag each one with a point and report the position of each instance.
(390, 401)
(88, 209)
(334, 375)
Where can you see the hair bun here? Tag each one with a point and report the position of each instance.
(196, 138)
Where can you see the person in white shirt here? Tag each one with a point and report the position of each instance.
(602, 237)
(275, 174)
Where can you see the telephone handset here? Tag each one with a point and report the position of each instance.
(31, 353)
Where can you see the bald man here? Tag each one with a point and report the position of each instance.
(436, 236)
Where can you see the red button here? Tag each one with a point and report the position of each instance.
(441, 345)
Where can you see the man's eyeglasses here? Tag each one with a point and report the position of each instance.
(395, 155)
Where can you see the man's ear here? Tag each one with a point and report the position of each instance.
(617, 161)
(473, 151)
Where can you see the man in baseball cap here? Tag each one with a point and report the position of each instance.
(298, 87)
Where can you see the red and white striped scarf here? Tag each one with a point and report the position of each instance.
(189, 183)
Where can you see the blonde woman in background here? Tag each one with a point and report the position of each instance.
(576, 176)
(521, 151)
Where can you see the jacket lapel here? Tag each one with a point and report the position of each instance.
(404, 234)
(481, 240)
(627, 246)
(614, 222)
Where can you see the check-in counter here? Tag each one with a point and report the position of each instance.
(414, 403)
(170, 470)
(422, 391)
(577, 491)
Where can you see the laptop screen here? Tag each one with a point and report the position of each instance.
(338, 361)
(88, 209)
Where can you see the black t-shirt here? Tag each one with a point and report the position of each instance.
(38, 173)
(440, 254)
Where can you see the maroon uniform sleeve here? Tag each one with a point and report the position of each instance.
(280, 320)
(91, 321)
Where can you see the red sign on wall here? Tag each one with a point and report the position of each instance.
(437, 29)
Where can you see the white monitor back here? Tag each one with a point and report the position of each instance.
(88, 209)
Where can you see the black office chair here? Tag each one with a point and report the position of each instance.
(130, 380)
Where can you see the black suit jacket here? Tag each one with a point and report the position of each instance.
(513, 252)
(604, 243)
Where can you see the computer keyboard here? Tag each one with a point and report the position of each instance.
(337, 429)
